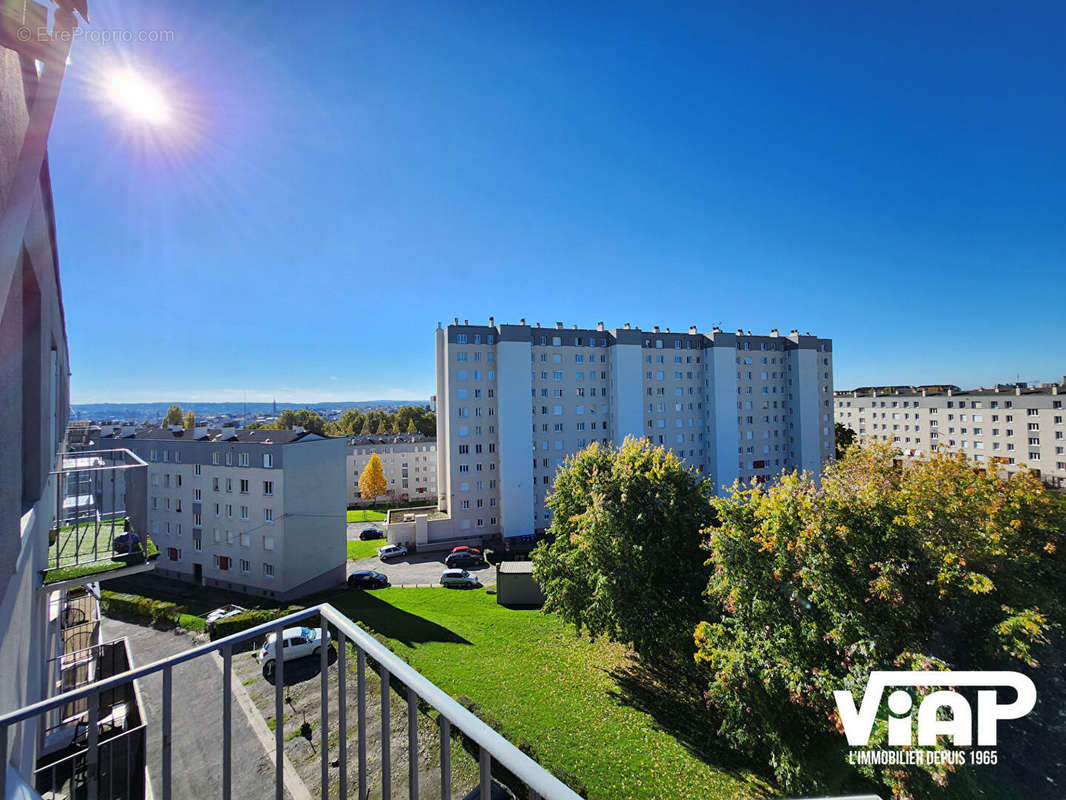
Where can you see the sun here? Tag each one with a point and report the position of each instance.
(137, 98)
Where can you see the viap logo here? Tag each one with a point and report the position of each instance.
(957, 726)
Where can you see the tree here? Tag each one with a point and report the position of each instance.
(411, 427)
(190, 421)
(625, 558)
(305, 418)
(372, 482)
(350, 423)
(930, 566)
(173, 416)
(368, 427)
(383, 426)
(845, 437)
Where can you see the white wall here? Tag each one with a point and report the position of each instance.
(515, 423)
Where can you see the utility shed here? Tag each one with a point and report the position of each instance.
(515, 585)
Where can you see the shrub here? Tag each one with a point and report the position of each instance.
(250, 619)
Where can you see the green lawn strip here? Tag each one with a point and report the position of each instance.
(545, 685)
(365, 515)
(358, 549)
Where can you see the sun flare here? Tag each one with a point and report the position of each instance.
(138, 98)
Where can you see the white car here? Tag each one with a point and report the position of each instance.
(298, 642)
(391, 551)
(224, 612)
(459, 579)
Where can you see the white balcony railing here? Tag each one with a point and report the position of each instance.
(493, 750)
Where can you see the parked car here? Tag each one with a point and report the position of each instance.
(459, 579)
(385, 552)
(297, 643)
(224, 612)
(128, 542)
(464, 558)
(462, 548)
(366, 534)
(367, 579)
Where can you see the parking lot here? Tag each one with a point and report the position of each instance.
(418, 569)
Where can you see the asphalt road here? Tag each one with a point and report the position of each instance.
(418, 569)
(196, 761)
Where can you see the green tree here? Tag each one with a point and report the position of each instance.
(305, 418)
(383, 426)
(190, 421)
(350, 422)
(411, 427)
(934, 565)
(173, 416)
(372, 482)
(368, 427)
(845, 437)
(625, 558)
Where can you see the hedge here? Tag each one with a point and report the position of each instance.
(249, 619)
(158, 612)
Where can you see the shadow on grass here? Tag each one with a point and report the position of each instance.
(388, 620)
(299, 670)
(674, 702)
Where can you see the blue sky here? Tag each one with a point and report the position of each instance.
(336, 179)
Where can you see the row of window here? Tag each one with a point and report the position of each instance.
(243, 459)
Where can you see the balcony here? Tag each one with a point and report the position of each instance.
(92, 751)
(100, 520)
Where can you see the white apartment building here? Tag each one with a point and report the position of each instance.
(514, 400)
(255, 511)
(1021, 425)
(409, 462)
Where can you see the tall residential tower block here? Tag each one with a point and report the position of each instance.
(514, 400)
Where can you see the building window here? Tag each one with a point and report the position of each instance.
(246, 567)
(268, 570)
(222, 562)
(268, 460)
(268, 487)
(244, 486)
(268, 515)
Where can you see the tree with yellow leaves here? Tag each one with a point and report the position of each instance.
(372, 482)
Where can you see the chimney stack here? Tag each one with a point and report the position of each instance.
(492, 321)
(558, 326)
(692, 329)
(455, 321)
(599, 326)
(655, 329)
(773, 332)
(626, 327)
(522, 321)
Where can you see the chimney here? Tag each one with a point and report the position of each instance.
(575, 326)
(228, 432)
(492, 321)
(538, 324)
(655, 329)
(466, 322)
(626, 327)
(599, 326)
(522, 321)
(667, 330)
(455, 320)
(740, 332)
(773, 332)
(716, 329)
(558, 326)
(1017, 390)
(692, 329)
(1054, 388)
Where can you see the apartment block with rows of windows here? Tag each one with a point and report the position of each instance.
(515, 400)
(409, 462)
(256, 511)
(1021, 425)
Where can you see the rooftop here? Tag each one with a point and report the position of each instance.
(243, 435)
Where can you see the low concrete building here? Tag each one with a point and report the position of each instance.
(255, 511)
(515, 585)
(408, 460)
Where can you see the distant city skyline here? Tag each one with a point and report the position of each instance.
(319, 196)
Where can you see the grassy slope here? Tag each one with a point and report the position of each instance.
(366, 549)
(546, 685)
(365, 515)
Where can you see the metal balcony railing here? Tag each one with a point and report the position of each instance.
(451, 718)
(101, 509)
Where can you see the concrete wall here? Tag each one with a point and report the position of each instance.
(515, 422)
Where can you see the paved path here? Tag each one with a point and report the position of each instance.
(196, 759)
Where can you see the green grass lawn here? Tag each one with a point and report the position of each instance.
(365, 515)
(358, 549)
(577, 701)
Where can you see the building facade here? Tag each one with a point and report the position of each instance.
(514, 400)
(255, 511)
(1021, 425)
(408, 460)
